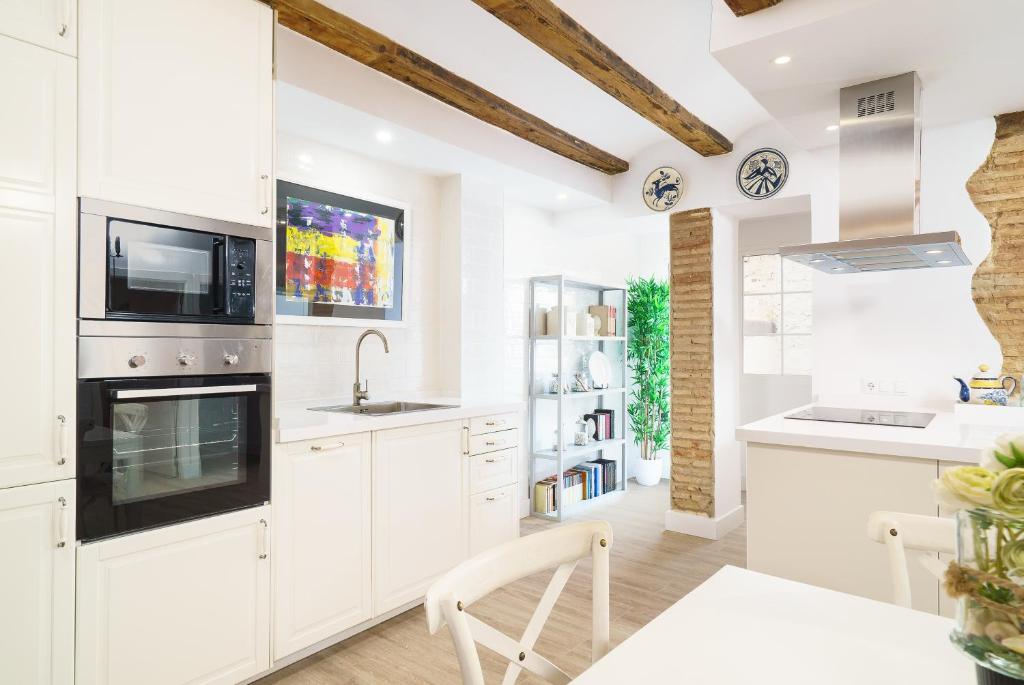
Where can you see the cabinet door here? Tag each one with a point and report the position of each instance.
(420, 486)
(493, 518)
(177, 106)
(321, 495)
(48, 23)
(188, 603)
(37, 263)
(37, 583)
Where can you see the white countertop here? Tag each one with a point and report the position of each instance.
(944, 439)
(294, 421)
(744, 628)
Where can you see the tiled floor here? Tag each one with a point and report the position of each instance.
(650, 570)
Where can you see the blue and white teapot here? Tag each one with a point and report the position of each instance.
(986, 388)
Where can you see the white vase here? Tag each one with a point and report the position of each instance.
(648, 471)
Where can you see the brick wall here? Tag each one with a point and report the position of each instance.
(693, 432)
(997, 190)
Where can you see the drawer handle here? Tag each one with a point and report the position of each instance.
(494, 461)
(62, 523)
(321, 448)
(499, 422)
(495, 499)
(62, 440)
(65, 11)
(262, 552)
(266, 193)
(495, 443)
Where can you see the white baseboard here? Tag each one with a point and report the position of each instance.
(703, 526)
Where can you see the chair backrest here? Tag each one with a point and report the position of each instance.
(561, 548)
(925, 536)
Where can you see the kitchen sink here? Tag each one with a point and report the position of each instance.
(382, 408)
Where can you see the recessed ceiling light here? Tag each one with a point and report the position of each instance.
(305, 159)
(817, 261)
(782, 59)
(832, 127)
(933, 251)
(562, 196)
(944, 261)
(384, 137)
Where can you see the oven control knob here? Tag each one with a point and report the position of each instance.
(137, 360)
(231, 359)
(186, 359)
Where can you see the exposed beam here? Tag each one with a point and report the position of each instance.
(744, 7)
(363, 44)
(558, 34)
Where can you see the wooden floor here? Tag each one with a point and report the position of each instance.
(650, 570)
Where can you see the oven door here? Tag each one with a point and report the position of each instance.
(158, 451)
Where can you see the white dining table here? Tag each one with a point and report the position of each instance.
(745, 628)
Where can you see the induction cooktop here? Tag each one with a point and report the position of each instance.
(905, 419)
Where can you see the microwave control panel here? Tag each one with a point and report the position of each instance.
(240, 276)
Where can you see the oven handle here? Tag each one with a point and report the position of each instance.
(219, 275)
(179, 392)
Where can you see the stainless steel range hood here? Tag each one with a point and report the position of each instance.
(879, 187)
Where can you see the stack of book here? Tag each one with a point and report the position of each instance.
(586, 481)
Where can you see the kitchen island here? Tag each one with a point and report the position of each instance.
(811, 486)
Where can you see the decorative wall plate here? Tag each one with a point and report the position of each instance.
(663, 188)
(762, 173)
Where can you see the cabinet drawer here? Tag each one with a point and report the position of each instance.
(492, 470)
(491, 442)
(492, 518)
(490, 424)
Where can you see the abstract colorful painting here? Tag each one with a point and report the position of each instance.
(338, 256)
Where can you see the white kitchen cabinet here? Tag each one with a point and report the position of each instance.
(807, 514)
(321, 540)
(188, 603)
(37, 584)
(48, 23)
(420, 507)
(38, 278)
(176, 106)
(493, 518)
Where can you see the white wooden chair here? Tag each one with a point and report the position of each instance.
(922, 535)
(449, 597)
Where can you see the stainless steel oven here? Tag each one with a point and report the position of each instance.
(170, 429)
(144, 265)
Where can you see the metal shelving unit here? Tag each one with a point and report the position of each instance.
(558, 291)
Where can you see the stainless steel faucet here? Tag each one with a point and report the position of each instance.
(358, 392)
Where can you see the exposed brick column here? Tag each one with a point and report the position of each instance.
(997, 190)
(693, 431)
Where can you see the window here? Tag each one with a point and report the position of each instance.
(777, 311)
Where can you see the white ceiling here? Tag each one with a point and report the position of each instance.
(968, 54)
(666, 41)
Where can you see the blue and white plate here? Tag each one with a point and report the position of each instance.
(663, 188)
(762, 173)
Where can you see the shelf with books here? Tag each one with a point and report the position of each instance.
(560, 305)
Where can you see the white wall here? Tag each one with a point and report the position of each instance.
(317, 361)
(919, 327)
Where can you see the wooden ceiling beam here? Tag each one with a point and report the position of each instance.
(744, 7)
(363, 44)
(558, 34)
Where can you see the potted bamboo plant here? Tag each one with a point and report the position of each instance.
(648, 357)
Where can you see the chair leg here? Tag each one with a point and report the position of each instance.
(601, 640)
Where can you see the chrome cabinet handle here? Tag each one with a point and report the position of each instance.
(266, 194)
(495, 443)
(495, 499)
(320, 448)
(494, 461)
(499, 422)
(62, 27)
(465, 441)
(62, 440)
(263, 539)
(62, 523)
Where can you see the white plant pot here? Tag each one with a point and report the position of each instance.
(648, 471)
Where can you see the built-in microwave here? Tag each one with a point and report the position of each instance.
(170, 429)
(146, 265)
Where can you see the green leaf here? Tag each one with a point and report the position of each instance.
(1018, 456)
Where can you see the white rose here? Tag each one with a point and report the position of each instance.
(1006, 453)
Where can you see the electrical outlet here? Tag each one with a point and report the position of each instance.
(885, 386)
(869, 386)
